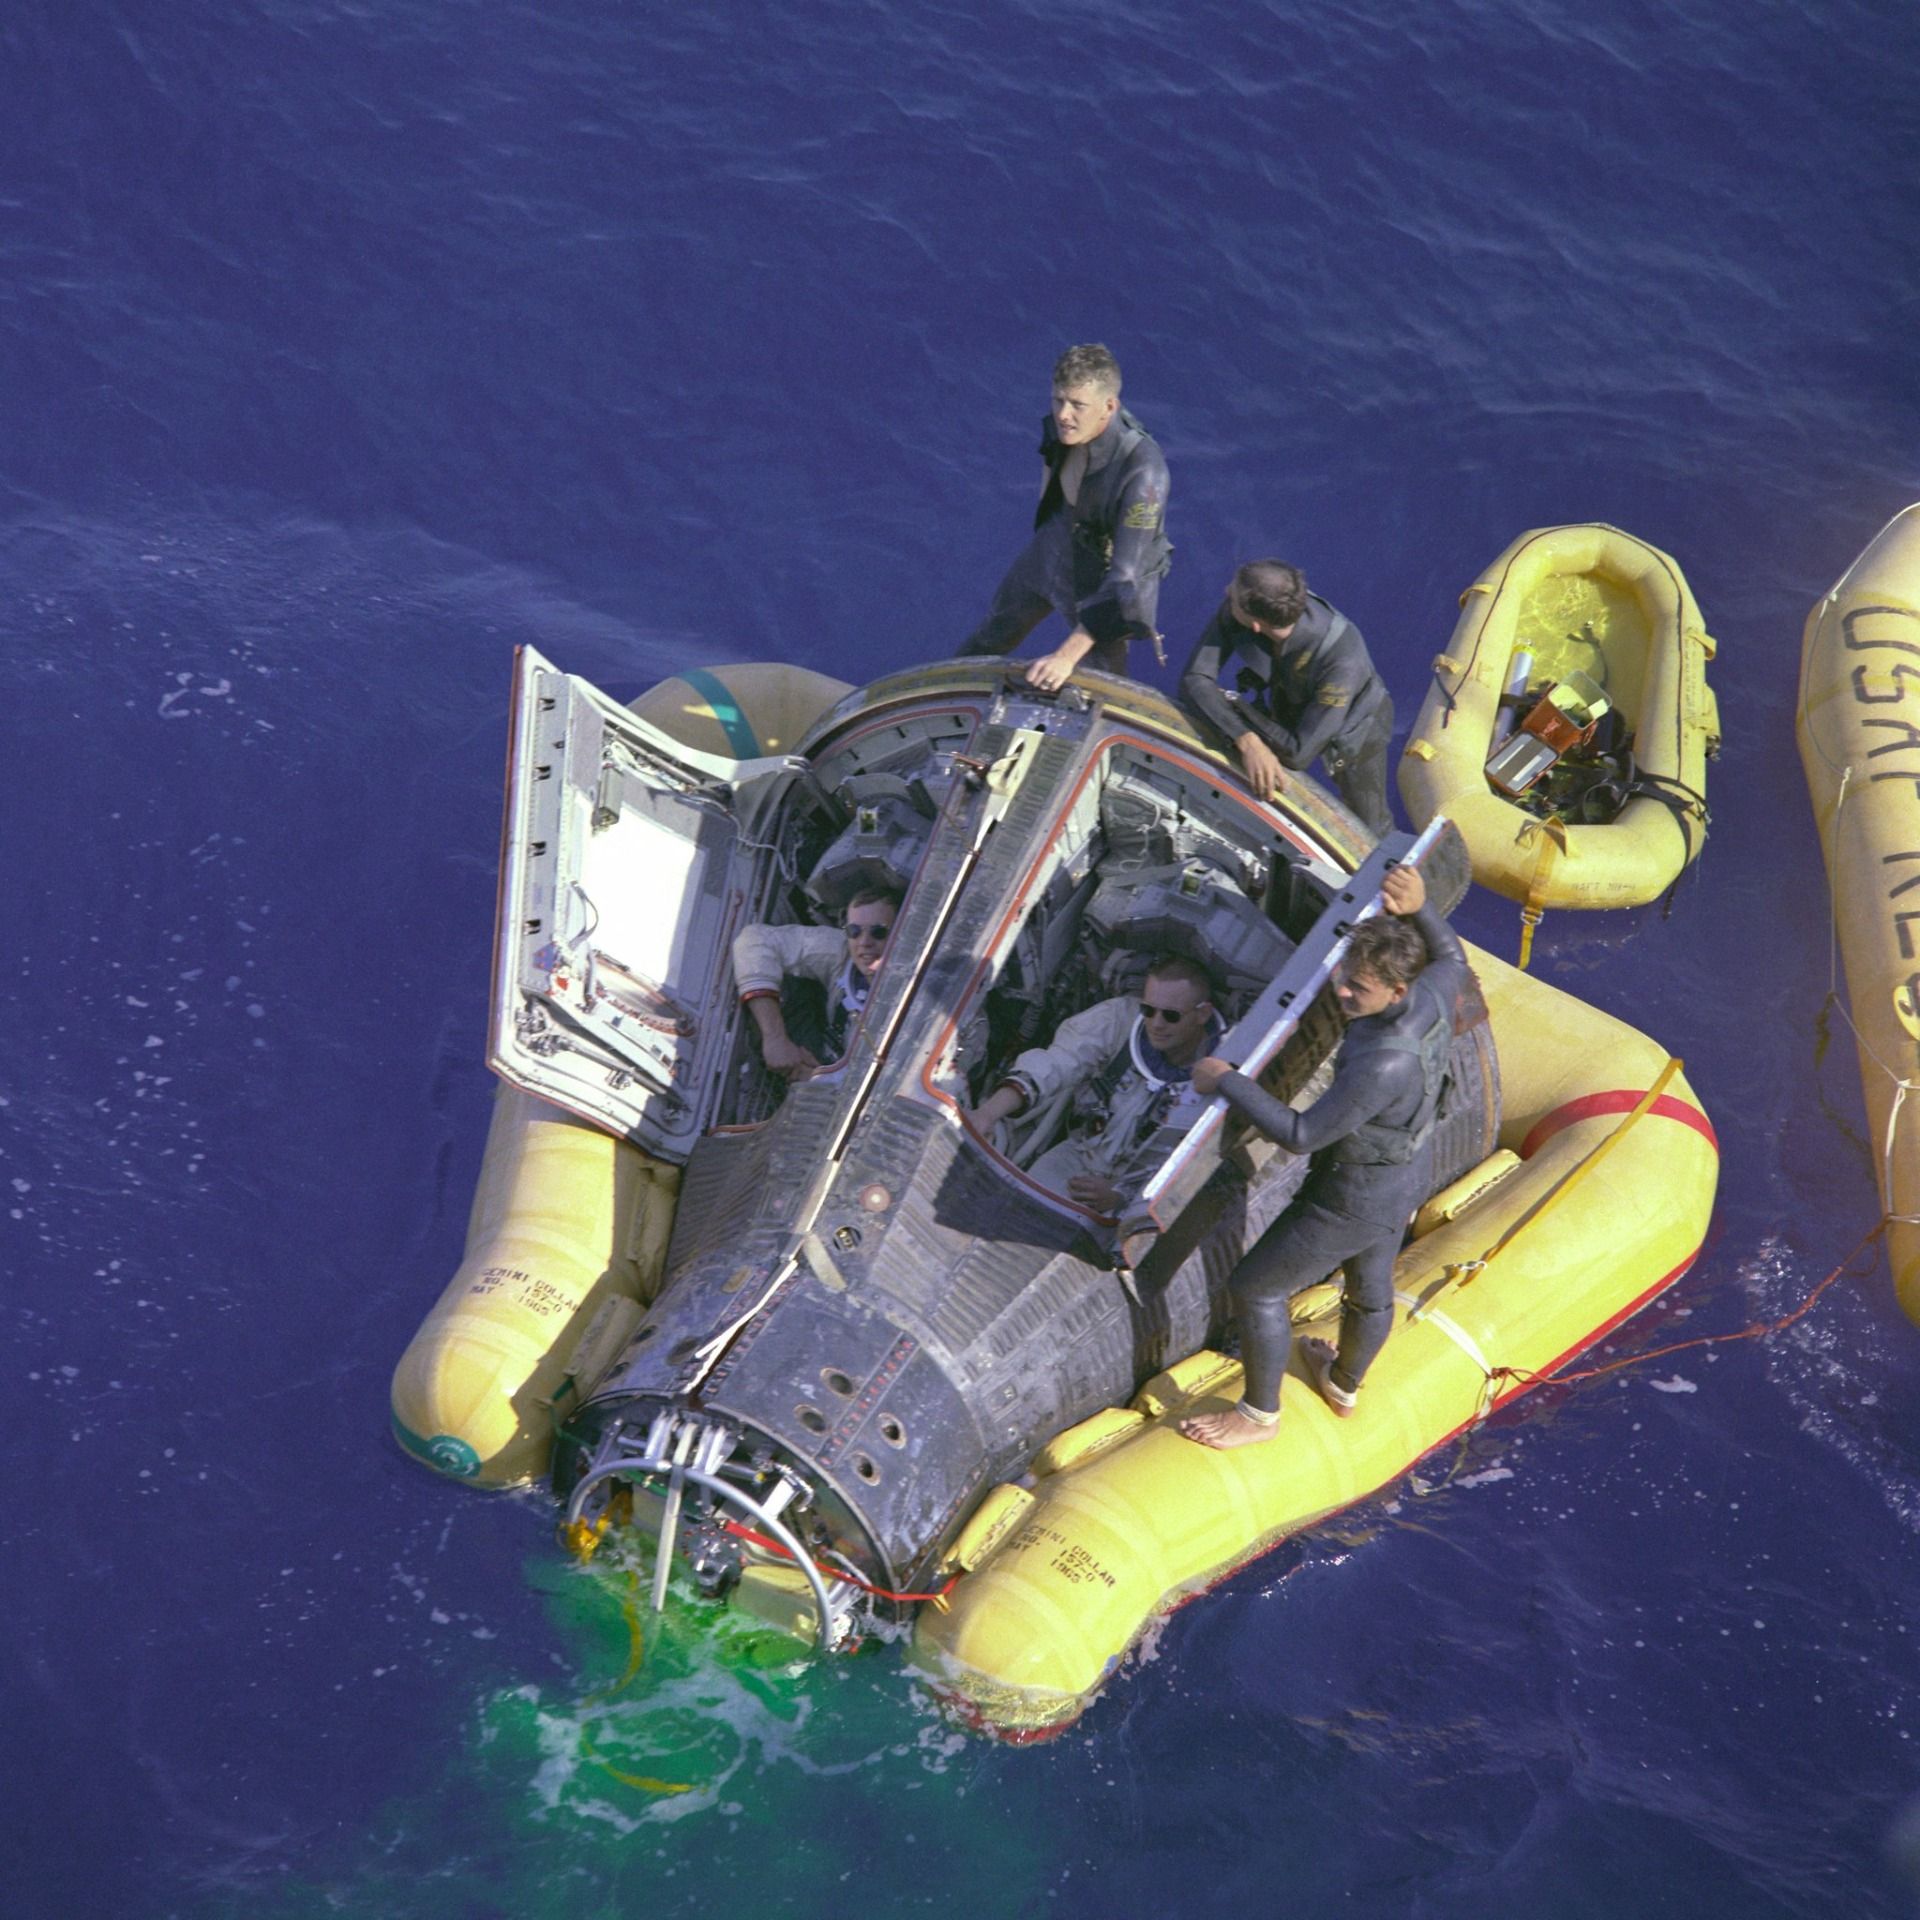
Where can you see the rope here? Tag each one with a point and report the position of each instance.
(1901, 1089)
(1464, 1272)
(1687, 806)
(1522, 1377)
(1758, 1330)
(1552, 835)
(1836, 1002)
(636, 1649)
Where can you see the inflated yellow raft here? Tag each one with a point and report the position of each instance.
(1859, 728)
(569, 1225)
(1597, 1200)
(1592, 600)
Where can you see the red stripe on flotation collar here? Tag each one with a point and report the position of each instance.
(1618, 1100)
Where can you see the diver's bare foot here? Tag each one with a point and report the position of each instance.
(1230, 1429)
(1320, 1356)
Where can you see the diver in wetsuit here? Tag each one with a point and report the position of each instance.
(1307, 689)
(1099, 549)
(842, 960)
(1371, 1138)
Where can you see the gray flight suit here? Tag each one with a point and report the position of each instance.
(1118, 1089)
(766, 958)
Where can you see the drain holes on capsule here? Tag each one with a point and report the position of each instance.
(838, 1382)
(866, 1469)
(811, 1418)
(891, 1431)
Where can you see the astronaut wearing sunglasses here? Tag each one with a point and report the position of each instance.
(1122, 1069)
(840, 960)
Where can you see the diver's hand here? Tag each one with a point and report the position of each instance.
(1265, 775)
(1403, 891)
(789, 1059)
(1207, 1074)
(1053, 670)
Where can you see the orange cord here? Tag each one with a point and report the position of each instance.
(1528, 1378)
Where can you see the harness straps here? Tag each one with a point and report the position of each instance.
(1687, 808)
(1096, 1097)
(1552, 836)
(1093, 1105)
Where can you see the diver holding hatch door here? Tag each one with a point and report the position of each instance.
(1370, 1136)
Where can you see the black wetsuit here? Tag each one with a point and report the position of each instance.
(1312, 694)
(1370, 1135)
(1097, 563)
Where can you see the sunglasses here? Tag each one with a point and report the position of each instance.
(1150, 1012)
(878, 929)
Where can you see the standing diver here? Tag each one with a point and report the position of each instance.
(1099, 550)
(1371, 1138)
(1307, 689)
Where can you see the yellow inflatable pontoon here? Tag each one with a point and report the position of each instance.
(1859, 727)
(1597, 1200)
(789, 1407)
(569, 1225)
(1580, 599)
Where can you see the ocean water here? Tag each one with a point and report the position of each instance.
(343, 347)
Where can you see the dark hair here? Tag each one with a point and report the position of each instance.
(1269, 591)
(874, 897)
(1176, 966)
(1090, 365)
(1389, 949)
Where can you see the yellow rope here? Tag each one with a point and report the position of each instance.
(1463, 1273)
(636, 1645)
(1552, 836)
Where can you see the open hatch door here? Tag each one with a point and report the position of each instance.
(624, 875)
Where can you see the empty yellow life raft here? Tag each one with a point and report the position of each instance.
(1859, 728)
(1591, 600)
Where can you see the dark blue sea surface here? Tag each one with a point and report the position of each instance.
(344, 347)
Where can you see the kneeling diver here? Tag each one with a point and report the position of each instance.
(1371, 1138)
